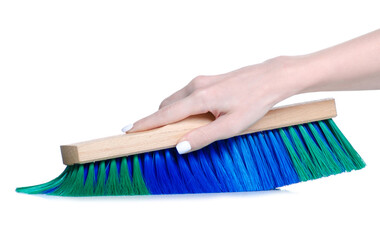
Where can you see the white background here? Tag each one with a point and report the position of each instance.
(77, 70)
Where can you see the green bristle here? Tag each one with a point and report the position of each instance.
(100, 185)
(315, 153)
(304, 154)
(65, 188)
(358, 161)
(112, 184)
(329, 158)
(78, 185)
(38, 189)
(125, 179)
(302, 172)
(71, 182)
(138, 181)
(88, 189)
(336, 148)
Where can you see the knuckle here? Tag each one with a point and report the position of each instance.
(163, 103)
(205, 98)
(199, 100)
(201, 94)
(198, 82)
(199, 138)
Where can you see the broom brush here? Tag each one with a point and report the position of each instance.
(288, 145)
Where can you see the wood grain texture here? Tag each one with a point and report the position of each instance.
(168, 136)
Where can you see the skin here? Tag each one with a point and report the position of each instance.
(241, 97)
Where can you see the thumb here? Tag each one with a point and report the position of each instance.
(223, 127)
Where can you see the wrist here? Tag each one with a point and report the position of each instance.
(308, 73)
(290, 76)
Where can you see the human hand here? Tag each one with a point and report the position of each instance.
(237, 100)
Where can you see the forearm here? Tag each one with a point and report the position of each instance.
(352, 65)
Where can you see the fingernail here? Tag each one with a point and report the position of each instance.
(127, 128)
(183, 147)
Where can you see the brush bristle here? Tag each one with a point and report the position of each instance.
(253, 162)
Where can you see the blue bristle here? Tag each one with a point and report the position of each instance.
(299, 136)
(226, 183)
(336, 140)
(286, 131)
(269, 138)
(197, 171)
(208, 169)
(139, 158)
(107, 169)
(50, 190)
(322, 136)
(161, 173)
(262, 165)
(297, 130)
(150, 175)
(270, 159)
(305, 168)
(96, 168)
(229, 166)
(286, 167)
(309, 148)
(174, 174)
(306, 127)
(249, 163)
(130, 165)
(190, 180)
(85, 173)
(252, 162)
(240, 166)
(118, 164)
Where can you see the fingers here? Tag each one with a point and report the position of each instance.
(223, 127)
(180, 94)
(197, 83)
(168, 114)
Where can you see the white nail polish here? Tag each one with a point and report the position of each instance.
(183, 147)
(127, 128)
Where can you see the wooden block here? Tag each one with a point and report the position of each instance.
(168, 136)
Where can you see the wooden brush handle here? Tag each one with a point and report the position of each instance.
(168, 136)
